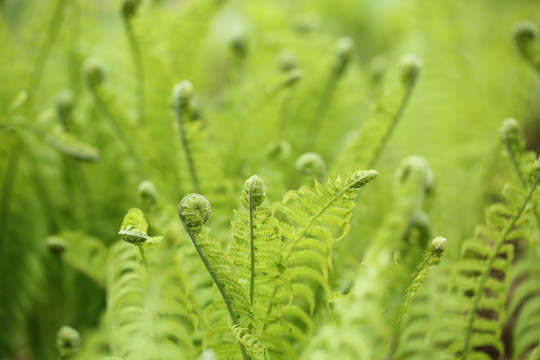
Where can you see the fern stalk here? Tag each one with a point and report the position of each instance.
(489, 265)
(182, 95)
(341, 62)
(7, 189)
(200, 211)
(409, 73)
(128, 10)
(251, 246)
(47, 45)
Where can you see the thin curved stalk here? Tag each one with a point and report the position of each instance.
(45, 49)
(139, 70)
(185, 144)
(392, 126)
(251, 245)
(221, 288)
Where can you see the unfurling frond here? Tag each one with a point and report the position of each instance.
(134, 227)
(68, 342)
(313, 218)
(194, 211)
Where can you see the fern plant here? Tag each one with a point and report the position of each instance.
(307, 95)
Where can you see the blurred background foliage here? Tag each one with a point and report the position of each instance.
(235, 52)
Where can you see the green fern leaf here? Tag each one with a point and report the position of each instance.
(53, 133)
(480, 282)
(313, 218)
(524, 309)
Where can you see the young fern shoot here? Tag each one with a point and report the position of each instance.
(252, 196)
(182, 96)
(526, 40)
(68, 342)
(94, 76)
(433, 256)
(194, 211)
(341, 62)
(133, 230)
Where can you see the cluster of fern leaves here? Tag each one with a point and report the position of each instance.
(185, 180)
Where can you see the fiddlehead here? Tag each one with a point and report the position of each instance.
(68, 342)
(252, 196)
(147, 193)
(94, 76)
(312, 165)
(526, 41)
(433, 256)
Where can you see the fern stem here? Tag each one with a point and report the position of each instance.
(45, 49)
(7, 190)
(518, 171)
(221, 288)
(392, 126)
(139, 70)
(251, 246)
(143, 256)
(487, 268)
(514, 161)
(185, 144)
(320, 112)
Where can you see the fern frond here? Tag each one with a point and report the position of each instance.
(364, 150)
(255, 349)
(194, 210)
(53, 133)
(82, 252)
(125, 297)
(168, 320)
(200, 159)
(477, 298)
(433, 256)
(313, 218)
(526, 40)
(524, 309)
(256, 250)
